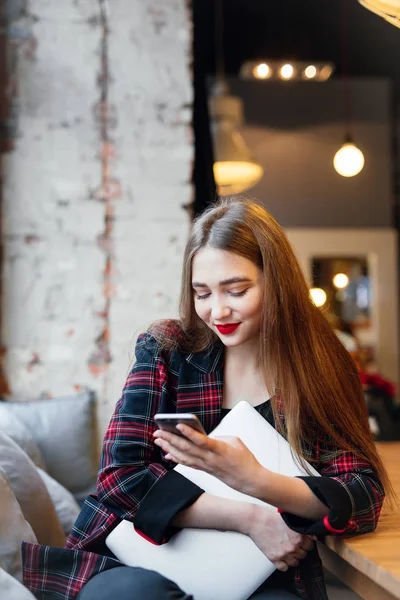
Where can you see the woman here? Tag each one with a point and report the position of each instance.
(247, 331)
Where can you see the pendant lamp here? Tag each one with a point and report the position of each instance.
(235, 170)
(388, 9)
(349, 159)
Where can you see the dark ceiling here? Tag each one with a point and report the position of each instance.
(302, 29)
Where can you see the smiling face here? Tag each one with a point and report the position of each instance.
(228, 295)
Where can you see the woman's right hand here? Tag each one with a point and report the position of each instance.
(284, 547)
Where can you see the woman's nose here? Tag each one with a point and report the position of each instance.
(220, 310)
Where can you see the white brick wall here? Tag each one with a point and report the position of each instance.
(53, 266)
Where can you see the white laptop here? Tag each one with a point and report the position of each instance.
(210, 564)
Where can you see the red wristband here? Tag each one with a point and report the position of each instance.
(329, 526)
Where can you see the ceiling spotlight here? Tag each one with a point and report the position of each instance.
(318, 296)
(310, 72)
(287, 71)
(298, 70)
(325, 72)
(262, 71)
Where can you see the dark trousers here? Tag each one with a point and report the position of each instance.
(132, 583)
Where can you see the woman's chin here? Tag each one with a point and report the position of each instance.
(231, 340)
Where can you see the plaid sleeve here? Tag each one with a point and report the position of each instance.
(134, 482)
(351, 490)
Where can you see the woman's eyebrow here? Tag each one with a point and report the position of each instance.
(230, 281)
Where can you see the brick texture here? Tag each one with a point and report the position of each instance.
(93, 218)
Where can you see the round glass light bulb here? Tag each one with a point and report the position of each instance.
(318, 296)
(287, 71)
(310, 72)
(340, 281)
(348, 160)
(261, 71)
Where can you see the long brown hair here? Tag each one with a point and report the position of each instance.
(300, 356)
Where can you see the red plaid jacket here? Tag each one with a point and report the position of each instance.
(135, 483)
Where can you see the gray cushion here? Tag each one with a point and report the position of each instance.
(65, 504)
(13, 529)
(64, 430)
(31, 493)
(17, 431)
(11, 589)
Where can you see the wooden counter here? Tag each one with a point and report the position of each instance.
(370, 564)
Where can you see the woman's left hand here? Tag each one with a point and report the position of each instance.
(227, 458)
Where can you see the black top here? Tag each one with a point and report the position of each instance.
(265, 410)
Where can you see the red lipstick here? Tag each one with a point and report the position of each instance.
(228, 328)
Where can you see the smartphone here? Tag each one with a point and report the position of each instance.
(169, 421)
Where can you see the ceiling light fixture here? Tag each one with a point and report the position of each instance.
(295, 70)
(349, 159)
(388, 9)
(325, 73)
(235, 170)
(287, 71)
(262, 71)
(310, 72)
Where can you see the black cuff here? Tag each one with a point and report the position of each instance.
(335, 497)
(171, 494)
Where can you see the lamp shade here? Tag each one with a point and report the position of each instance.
(235, 170)
(388, 9)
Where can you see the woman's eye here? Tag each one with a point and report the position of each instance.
(233, 294)
(238, 294)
